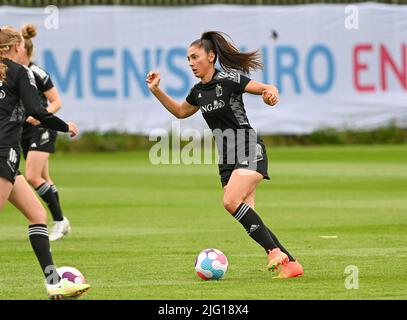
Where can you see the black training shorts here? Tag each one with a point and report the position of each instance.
(258, 163)
(9, 162)
(38, 138)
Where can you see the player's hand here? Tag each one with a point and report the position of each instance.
(270, 96)
(153, 80)
(32, 121)
(73, 129)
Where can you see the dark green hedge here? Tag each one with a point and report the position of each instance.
(114, 141)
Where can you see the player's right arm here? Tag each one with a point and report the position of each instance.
(180, 110)
(54, 100)
(54, 104)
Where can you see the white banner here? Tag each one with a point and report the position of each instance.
(335, 65)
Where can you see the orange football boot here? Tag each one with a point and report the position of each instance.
(276, 258)
(291, 269)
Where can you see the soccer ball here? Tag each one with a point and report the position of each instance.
(72, 274)
(211, 264)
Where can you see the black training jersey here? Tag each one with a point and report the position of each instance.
(44, 83)
(221, 104)
(18, 100)
(221, 101)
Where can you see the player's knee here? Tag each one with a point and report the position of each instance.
(33, 179)
(231, 203)
(39, 216)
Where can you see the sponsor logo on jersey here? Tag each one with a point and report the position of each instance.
(217, 104)
(199, 95)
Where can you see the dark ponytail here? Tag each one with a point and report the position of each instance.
(229, 56)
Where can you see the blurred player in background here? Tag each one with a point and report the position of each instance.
(18, 99)
(219, 97)
(38, 141)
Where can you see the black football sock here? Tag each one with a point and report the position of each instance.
(290, 257)
(55, 191)
(254, 226)
(46, 194)
(38, 234)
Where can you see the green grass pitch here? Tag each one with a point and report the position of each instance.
(137, 228)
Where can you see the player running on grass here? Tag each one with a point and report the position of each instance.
(38, 142)
(243, 160)
(19, 99)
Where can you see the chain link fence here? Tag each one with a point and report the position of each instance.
(64, 3)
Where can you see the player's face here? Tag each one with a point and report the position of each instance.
(21, 53)
(200, 61)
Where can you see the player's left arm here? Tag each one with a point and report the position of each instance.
(269, 92)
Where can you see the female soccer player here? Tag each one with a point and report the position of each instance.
(18, 99)
(243, 160)
(38, 141)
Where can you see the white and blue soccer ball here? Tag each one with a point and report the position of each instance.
(211, 264)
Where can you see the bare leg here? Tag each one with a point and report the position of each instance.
(24, 199)
(37, 175)
(45, 173)
(34, 167)
(241, 185)
(5, 189)
(241, 188)
(250, 199)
